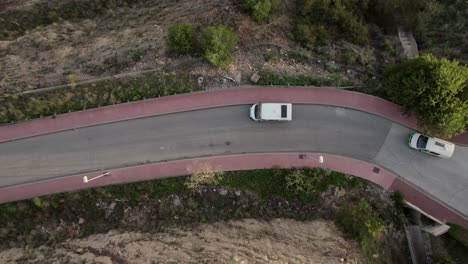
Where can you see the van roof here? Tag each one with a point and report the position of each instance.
(440, 146)
(275, 111)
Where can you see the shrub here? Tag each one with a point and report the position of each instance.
(300, 182)
(319, 21)
(432, 89)
(217, 43)
(359, 221)
(308, 183)
(180, 38)
(260, 10)
(203, 174)
(459, 233)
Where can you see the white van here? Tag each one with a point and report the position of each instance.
(271, 112)
(433, 146)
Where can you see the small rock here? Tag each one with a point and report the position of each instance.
(238, 193)
(341, 193)
(176, 201)
(112, 205)
(103, 260)
(222, 192)
(335, 191)
(255, 77)
(80, 250)
(238, 77)
(81, 221)
(200, 81)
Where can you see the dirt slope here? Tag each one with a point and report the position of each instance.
(247, 241)
(121, 40)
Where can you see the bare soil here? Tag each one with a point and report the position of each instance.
(73, 51)
(244, 241)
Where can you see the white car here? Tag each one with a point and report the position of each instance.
(271, 112)
(430, 145)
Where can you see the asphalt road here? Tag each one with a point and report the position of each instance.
(228, 130)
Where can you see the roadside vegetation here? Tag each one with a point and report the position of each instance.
(303, 194)
(452, 247)
(271, 78)
(93, 95)
(435, 90)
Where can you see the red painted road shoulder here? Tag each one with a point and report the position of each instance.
(363, 169)
(203, 100)
(218, 98)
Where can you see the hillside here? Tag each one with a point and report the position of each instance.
(245, 241)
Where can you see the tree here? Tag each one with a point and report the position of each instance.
(432, 89)
(180, 38)
(217, 43)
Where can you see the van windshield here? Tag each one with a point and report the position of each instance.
(284, 111)
(257, 111)
(422, 142)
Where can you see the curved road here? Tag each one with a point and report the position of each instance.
(228, 130)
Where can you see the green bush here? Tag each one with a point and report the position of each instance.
(432, 89)
(308, 183)
(460, 234)
(180, 38)
(217, 43)
(319, 21)
(260, 10)
(299, 182)
(446, 260)
(359, 221)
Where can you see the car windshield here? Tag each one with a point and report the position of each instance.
(422, 142)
